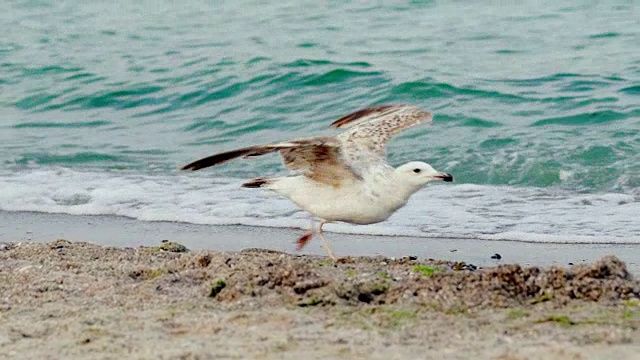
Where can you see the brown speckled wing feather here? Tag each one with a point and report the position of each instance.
(362, 115)
(317, 158)
(321, 162)
(372, 127)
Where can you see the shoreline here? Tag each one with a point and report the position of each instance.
(127, 232)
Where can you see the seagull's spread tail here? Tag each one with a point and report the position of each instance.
(256, 183)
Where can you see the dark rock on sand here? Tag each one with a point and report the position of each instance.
(172, 246)
(6, 246)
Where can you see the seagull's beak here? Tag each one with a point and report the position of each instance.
(444, 177)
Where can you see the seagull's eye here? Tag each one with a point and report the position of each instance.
(416, 170)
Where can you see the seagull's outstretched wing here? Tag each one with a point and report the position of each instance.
(370, 128)
(317, 158)
(335, 160)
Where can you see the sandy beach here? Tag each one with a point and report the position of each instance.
(69, 299)
(124, 232)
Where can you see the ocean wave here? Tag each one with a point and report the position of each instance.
(337, 76)
(71, 158)
(61, 124)
(439, 211)
(320, 62)
(117, 90)
(598, 117)
(427, 89)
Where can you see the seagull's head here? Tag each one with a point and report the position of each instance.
(417, 174)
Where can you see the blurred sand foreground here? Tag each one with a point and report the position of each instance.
(66, 300)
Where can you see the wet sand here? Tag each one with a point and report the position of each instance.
(122, 232)
(78, 300)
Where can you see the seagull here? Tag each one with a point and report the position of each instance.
(343, 178)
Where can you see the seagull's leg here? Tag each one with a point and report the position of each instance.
(325, 244)
(304, 239)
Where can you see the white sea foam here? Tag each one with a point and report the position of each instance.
(442, 210)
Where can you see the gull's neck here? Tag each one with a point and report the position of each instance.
(406, 190)
(393, 186)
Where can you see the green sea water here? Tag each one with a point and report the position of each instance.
(533, 96)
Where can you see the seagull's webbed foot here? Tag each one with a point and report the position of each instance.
(304, 239)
